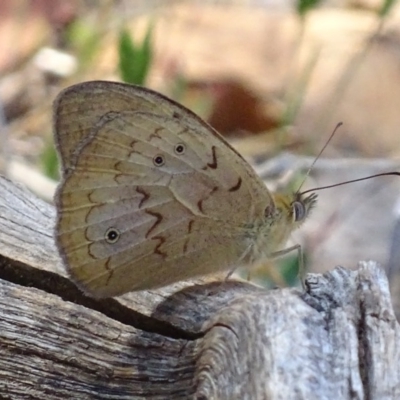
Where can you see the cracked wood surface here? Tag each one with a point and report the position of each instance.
(192, 340)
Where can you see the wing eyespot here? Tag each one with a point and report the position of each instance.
(180, 149)
(158, 160)
(112, 235)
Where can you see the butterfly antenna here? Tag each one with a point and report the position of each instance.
(318, 156)
(351, 181)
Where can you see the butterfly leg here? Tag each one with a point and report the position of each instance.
(296, 247)
(229, 274)
(242, 257)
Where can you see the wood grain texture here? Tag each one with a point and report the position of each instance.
(193, 340)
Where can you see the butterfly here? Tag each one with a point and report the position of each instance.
(150, 194)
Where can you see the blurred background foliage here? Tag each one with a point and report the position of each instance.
(270, 75)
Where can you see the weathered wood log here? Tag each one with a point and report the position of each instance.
(201, 340)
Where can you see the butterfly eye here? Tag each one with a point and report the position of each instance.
(112, 235)
(180, 148)
(158, 161)
(299, 211)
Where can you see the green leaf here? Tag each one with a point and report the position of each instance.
(386, 7)
(49, 161)
(85, 39)
(304, 6)
(135, 59)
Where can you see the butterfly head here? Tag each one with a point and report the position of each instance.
(281, 216)
(301, 207)
(294, 208)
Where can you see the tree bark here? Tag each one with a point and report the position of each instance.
(193, 340)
